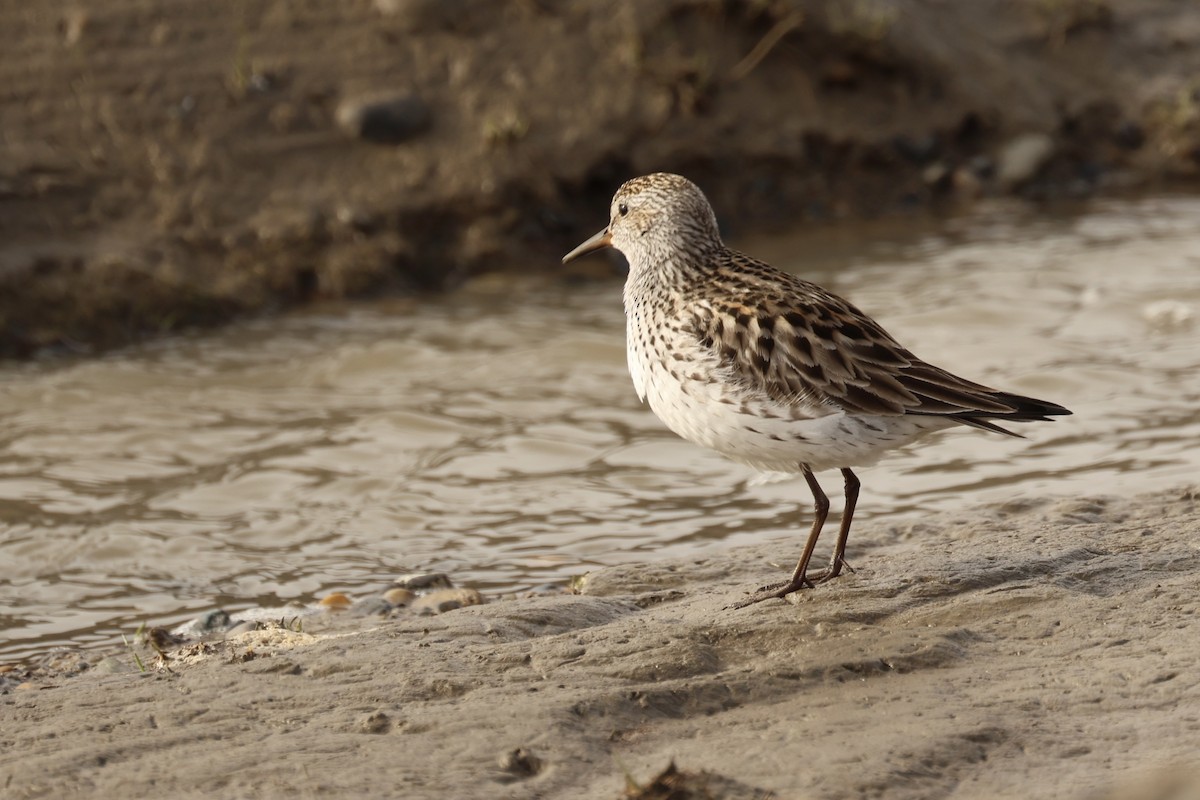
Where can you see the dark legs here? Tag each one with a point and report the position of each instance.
(820, 513)
(800, 577)
(839, 550)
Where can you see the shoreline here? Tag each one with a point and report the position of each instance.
(1035, 648)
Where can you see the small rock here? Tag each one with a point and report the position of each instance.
(520, 762)
(399, 598)
(1023, 157)
(371, 607)
(242, 627)
(336, 601)
(444, 600)
(419, 581)
(386, 120)
(378, 722)
(113, 666)
(218, 620)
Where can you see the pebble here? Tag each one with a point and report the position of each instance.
(336, 601)
(371, 606)
(217, 620)
(242, 627)
(1023, 157)
(113, 666)
(443, 600)
(519, 762)
(378, 722)
(418, 581)
(423, 593)
(399, 597)
(385, 120)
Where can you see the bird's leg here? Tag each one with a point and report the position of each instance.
(798, 580)
(838, 562)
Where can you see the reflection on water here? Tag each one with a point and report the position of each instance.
(494, 434)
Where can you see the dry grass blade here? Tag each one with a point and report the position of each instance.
(765, 45)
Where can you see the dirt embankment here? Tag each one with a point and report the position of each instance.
(169, 164)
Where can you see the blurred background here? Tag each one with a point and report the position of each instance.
(282, 312)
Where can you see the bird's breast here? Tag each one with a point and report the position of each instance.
(685, 384)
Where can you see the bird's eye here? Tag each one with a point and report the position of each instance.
(623, 209)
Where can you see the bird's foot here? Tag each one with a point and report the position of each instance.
(830, 572)
(774, 590)
(803, 583)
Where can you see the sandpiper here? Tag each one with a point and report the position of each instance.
(768, 369)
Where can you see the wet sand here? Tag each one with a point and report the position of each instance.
(1042, 648)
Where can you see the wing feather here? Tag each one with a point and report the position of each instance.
(807, 347)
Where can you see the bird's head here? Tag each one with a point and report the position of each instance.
(654, 217)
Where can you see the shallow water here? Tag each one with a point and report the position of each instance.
(494, 434)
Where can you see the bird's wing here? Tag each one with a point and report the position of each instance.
(800, 345)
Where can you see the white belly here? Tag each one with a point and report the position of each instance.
(696, 399)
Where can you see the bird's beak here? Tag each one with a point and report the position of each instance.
(598, 242)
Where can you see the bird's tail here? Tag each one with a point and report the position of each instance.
(1024, 409)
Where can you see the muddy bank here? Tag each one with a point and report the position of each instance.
(168, 165)
(1035, 649)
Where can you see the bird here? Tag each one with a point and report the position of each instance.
(768, 369)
